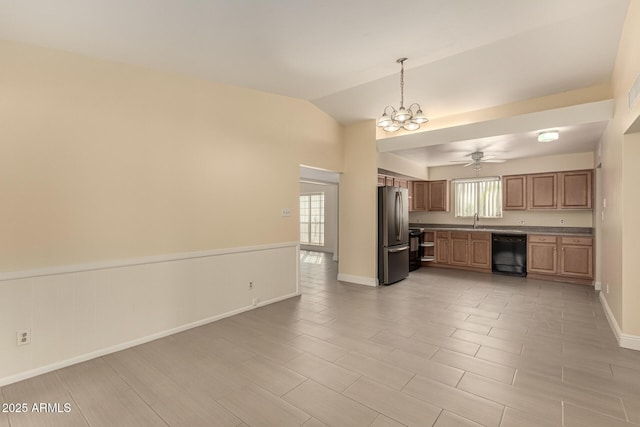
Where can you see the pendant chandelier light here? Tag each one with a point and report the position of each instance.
(407, 119)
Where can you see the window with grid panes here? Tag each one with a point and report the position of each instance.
(312, 219)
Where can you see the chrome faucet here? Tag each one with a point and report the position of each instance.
(475, 220)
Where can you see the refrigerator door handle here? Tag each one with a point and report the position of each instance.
(401, 215)
(397, 217)
(401, 249)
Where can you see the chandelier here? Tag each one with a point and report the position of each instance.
(407, 119)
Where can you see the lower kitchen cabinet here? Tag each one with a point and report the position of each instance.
(542, 256)
(459, 248)
(480, 250)
(462, 249)
(560, 258)
(576, 257)
(442, 247)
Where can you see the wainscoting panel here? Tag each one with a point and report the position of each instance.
(81, 312)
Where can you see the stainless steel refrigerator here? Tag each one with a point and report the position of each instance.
(393, 234)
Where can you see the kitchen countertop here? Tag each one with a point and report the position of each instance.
(510, 229)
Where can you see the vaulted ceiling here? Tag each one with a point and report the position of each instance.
(464, 55)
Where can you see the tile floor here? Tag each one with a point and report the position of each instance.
(442, 348)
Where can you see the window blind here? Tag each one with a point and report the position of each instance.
(478, 195)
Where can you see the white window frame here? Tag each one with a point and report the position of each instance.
(316, 223)
(482, 196)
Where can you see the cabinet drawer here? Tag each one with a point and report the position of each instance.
(571, 240)
(442, 234)
(459, 235)
(542, 239)
(480, 235)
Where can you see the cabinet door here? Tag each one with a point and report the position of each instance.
(576, 261)
(514, 192)
(543, 191)
(459, 248)
(542, 255)
(442, 250)
(576, 257)
(420, 195)
(576, 189)
(438, 199)
(480, 250)
(410, 192)
(402, 183)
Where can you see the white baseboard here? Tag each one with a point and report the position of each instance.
(122, 346)
(119, 304)
(631, 342)
(358, 280)
(597, 285)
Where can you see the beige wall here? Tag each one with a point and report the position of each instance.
(512, 167)
(631, 235)
(108, 161)
(358, 205)
(402, 166)
(558, 100)
(135, 204)
(620, 230)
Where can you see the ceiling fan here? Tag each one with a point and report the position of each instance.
(477, 158)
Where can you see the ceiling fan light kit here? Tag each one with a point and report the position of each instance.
(548, 136)
(477, 159)
(406, 118)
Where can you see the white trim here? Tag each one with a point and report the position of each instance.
(122, 346)
(359, 280)
(102, 265)
(624, 340)
(597, 285)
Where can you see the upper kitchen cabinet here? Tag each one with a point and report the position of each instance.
(514, 192)
(431, 196)
(438, 199)
(576, 189)
(390, 181)
(555, 190)
(542, 189)
(420, 195)
(399, 182)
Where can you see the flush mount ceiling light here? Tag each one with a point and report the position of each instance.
(548, 136)
(407, 119)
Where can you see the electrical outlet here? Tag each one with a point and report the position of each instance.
(286, 212)
(255, 301)
(23, 337)
(250, 285)
(521, 222)
(562, 221)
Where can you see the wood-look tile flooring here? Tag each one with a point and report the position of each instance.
(442, 348)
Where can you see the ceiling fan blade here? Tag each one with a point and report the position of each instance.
(493, 161)
(469, 164)
(488, 157)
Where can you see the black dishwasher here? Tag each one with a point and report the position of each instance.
(509, 254)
